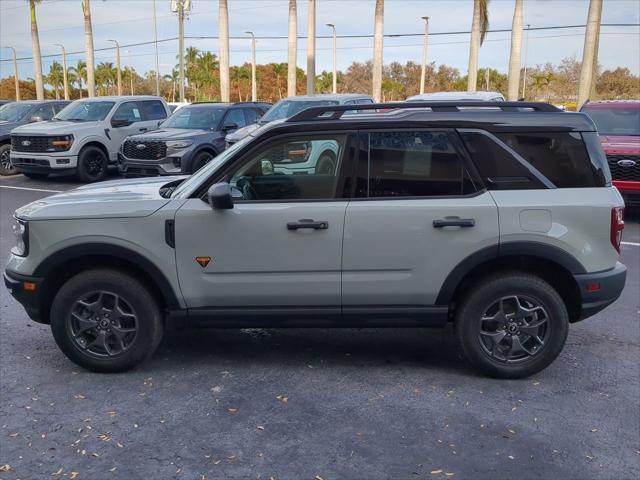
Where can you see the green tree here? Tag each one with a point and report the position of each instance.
(55, 78)
(80, 74)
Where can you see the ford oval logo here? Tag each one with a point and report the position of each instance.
(26, 143)
(627, 162)
(141, 146)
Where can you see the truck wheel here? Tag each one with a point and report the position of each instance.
(512, 325)
(106, 321)
(6, 167)
(326, 164)
(92, 164)
(200, 161)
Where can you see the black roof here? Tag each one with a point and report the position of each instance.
(490, 116)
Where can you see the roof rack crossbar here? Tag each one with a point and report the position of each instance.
(335, 112)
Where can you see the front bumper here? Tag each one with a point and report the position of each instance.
(31, 300)
(145, 168)
(599, 290)
(43, 163)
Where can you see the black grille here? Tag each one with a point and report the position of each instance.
(620, 172)
(144, 149)
(30, 161)
(20, 143)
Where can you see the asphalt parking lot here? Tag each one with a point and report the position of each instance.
(318, 404)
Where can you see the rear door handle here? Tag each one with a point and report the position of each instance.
(454, 222)
(308, 223)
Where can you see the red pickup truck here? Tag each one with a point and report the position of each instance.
(618, 123)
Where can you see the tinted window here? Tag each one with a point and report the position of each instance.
(59, 106)
(499, 169)
(153, 110)
(85, 111)
(196, 117)
(14, 112)
(615, 121)
(365, 101)
(45, 111)
(561, 157)
(128, 111)
(251, 116)
(300, 168)
(236, 116)
(412, 164)
(288, 108)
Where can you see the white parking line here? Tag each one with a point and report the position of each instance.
(633, 244)
(31, 189)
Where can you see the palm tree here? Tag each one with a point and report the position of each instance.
(324, 82)
(591, 40)
(292, 49)
(241, 75)
(173, 78)
(71, 78)
(55, 78)
(35, 45)
(311, 47)
(223, 28)
(514, 56)
(479, 28)
(279, 69)
(377, 50)
(88, 46)
(80, 72)
(106, 75)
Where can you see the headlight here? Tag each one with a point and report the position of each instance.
(61, 143)
(178, 144)
(21, 233)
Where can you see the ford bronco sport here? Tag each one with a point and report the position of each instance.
(500, 218)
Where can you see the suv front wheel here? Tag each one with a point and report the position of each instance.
(106, 321)
(512, 325)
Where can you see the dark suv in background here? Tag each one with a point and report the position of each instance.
(186, 141)
(13, 115)
(618, 123)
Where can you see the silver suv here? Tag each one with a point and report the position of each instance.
(500, 218)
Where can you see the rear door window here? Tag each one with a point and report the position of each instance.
(251, 116)
(153, 110)
(44, 111)
(235, 115)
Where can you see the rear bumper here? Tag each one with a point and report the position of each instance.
(29, 299)
(606, 288)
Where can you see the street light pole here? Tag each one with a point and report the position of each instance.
(423, 74)
(181, 46)
(335, 69)
(64, 70)
(155, 43)
(524, 77)
(118, 66)
(254, 86)
(15, 73)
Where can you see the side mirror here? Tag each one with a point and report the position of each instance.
(36, 118)
(266, 167)
(229, 126)
(219, 195)
(120, 122)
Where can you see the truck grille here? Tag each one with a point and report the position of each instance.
(20, 143)
(620, 172)
(144, 149)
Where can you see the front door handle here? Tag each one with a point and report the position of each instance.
(143, 129)
(308, 223)
(454, 222)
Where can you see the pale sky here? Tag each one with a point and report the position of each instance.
(130, 21)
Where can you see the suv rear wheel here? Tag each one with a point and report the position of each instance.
(512, 325)
(106, 321)
(92, 164)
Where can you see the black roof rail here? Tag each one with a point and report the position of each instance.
(252, 103)
(320, 113)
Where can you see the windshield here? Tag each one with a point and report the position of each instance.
(190, 184)
(615, 121)
(14, 112)
(80, 111)
(199, 118)
(288, 108)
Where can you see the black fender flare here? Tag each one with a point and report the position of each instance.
(93, 249)
(540, 250)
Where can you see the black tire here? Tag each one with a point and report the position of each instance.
(35, 176)
(92, 164)
(85, 328)
(6, 167)
(522, 344)
(200, 160)
(326, 164)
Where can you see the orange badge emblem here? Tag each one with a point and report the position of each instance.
(203, 261)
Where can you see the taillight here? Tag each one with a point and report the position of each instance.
(617, 225)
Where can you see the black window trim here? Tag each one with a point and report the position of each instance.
(347, 166)
(521, 160)
(455, 140)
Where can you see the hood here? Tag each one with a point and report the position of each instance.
(6, 127)
(242, 133)
(621, 144)
(117, 198)
(54, 127)
(170, 134)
